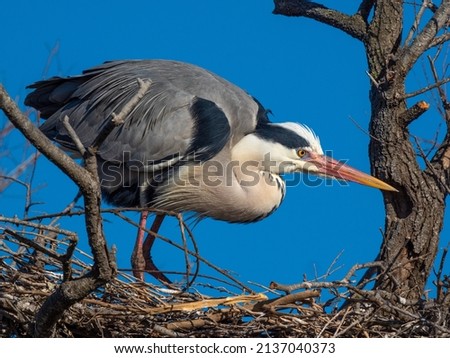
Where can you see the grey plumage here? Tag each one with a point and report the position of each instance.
(194, 142)
(188, 113)
(89, 100)
(187, 121)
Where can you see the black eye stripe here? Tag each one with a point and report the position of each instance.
(284, 136)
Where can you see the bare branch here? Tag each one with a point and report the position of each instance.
(363, 130)
(118, 119)
(345, 282)
(73, 135)
(183, 229)
(7, 128)
(271, 305)
(441, 91)
(67, 209)
(442, 156)
(85, 179)
(414, 112)
(70, 291)
(427, 88)
(53, 52)
(439, 40)
(439, 282)
(17, 172)
(37, 246)
(194, 253)
(43, 144)
(354, 25)
(431, 167)
(424, 39)
(144, 86)
(416, 23)
(26, 223)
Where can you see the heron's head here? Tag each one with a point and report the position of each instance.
(292, 147)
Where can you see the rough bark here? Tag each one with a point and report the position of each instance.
(414, 215)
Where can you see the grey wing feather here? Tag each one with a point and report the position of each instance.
(91, 105)
(162, 125)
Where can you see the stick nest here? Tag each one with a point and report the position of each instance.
(34, 264)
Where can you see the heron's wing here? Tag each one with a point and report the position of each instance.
(186, 111)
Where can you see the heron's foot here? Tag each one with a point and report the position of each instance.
(150, 266)
(141, 265)
(151, 269)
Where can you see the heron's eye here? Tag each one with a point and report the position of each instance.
(301, 153)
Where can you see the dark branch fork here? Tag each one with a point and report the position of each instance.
(86, 179)
(354, 25)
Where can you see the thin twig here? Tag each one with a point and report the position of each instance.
(167, 332)
(67, 209)
(331, 269)
(25, 185)
(342, 321)
(186, 255)
(118, 119)
(313, 284)
(53, 52)
(358, 267)
(185, 227)
(373, 80)
(41, 248)
(441, 91)
(363, 130)
(18, 171)
(39, 226)
(439, 297)
(73, 135)
(416, 22)
(430, 166)
(424, 38)
(427, 88)
(180, 247)
(440, 40)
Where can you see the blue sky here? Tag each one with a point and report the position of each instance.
(301, 70)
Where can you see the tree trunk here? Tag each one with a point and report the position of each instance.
(414, 215)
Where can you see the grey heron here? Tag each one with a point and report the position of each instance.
(193, 143)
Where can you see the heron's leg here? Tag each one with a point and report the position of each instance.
(137, 257)
(150, 267)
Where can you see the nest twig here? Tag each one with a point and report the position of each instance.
(35, 259)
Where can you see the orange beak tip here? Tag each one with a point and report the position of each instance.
(332, 168)
(373, 182)
(390, 188)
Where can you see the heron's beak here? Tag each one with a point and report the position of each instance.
(330, 167)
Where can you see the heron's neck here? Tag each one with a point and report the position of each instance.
(252, 150)
(256, 193)
(265, 154)
(238, 192)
